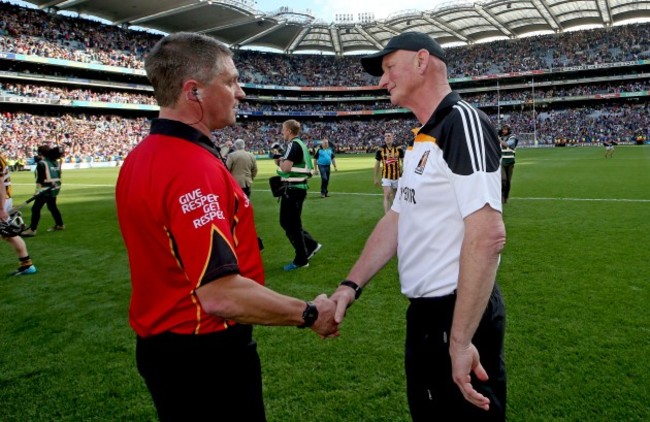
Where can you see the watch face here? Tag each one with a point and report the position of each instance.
(310, 315)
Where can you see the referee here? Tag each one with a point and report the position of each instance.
(196, 269)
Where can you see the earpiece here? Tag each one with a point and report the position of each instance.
(195, 95)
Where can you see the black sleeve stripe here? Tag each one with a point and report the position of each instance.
(474, 136)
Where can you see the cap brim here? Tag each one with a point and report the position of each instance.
(372, 63)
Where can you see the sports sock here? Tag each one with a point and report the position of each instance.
(24, 262)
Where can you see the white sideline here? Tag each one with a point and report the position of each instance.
(89, 185)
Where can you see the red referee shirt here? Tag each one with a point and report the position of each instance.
(185, 222)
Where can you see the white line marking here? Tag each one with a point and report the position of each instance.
(68, 184)
(585, 199)
(381, 194)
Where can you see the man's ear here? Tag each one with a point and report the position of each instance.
(421, 59)
(192, 92)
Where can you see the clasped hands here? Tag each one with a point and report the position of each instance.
(331, 311)
(465, 360)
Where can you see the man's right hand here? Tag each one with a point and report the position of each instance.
(343, 296)
(326, 326)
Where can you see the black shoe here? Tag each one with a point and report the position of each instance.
(315, 251)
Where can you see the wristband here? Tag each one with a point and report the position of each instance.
(354, 286)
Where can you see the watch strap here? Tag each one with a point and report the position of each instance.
(357, 289)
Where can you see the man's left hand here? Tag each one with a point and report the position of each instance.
(465, 360)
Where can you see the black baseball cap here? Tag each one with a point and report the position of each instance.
(412, 41)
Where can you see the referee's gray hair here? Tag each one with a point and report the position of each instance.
(182, 56)
(240, 144)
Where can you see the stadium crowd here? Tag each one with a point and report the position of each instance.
(97, 137)
(88, 138)
(64, 93)
(84, 138)
(254, 105)
(37, 32)
(587, 125)
(557, 91)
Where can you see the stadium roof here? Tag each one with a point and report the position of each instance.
(239, 24)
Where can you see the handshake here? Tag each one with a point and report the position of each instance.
(331, 311)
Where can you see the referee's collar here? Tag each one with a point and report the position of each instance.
(178, 130)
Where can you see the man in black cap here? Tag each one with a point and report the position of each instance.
(447, 231)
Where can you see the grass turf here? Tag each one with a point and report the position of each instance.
(574, 275)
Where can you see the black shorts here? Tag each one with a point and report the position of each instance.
(210, 377)
(432, 393)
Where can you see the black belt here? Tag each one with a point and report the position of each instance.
(427, 309)
(432, 300)
(234, 334)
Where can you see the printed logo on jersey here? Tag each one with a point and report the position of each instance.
(407, 194)
(391, 160)
(206, 204)
(422, 163)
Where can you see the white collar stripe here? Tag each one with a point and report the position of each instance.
(481, 138)
(478, 137)
(468, 138)
(475, 139)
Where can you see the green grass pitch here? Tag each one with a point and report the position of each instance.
(575, 277)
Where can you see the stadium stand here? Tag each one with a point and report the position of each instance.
(80, 83)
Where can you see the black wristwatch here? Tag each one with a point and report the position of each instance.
(309, 315)
(357, 289)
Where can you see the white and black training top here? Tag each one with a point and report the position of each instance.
(451, 170)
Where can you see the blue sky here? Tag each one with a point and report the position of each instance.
(326, 9)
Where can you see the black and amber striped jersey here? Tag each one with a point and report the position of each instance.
(6, 176)
(391, 161)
